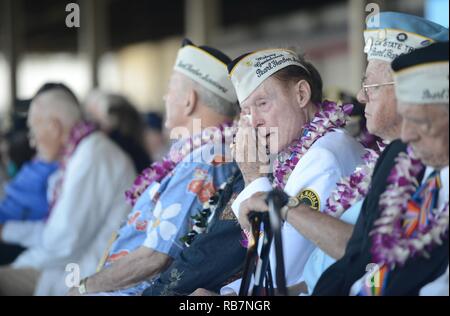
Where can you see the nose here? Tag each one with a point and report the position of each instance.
(257, 120)
(409, 133)
(361, 97)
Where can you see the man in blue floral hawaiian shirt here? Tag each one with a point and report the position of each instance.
(170, 193)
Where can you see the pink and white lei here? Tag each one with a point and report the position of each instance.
(389, 244)
(79, 132)
(159, 170)
(329, 118)
(355, 187)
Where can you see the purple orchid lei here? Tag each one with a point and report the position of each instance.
(79, 132)
(159, 170)
(355, 187)
(389, 244)
(330, 117)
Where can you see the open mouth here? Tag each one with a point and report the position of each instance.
(268, 136)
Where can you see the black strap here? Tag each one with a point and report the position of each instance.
(258, 265)
(276, 200)
(264, 258)
(252, 254)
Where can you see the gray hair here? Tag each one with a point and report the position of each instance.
(214, 101)
(60, 104)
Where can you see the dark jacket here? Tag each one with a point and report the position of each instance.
(408, 280)
(212, 258)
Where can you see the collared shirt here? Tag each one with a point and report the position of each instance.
(26, 194)
(218, 251)
(162, 214)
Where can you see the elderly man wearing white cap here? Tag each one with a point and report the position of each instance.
(171, 198)
(282, 93)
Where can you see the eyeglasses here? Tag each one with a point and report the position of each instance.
(365, 87)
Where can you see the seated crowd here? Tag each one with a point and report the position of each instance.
(105, 208)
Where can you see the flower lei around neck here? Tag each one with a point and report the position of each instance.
(355, 187)
(79, 132)
(329, 118)
(159, 170)
(390, 246)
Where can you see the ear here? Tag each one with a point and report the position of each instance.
(57, 129)
(191, 104)
(302, 93)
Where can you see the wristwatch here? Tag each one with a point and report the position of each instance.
(82, 288)
(293, 202)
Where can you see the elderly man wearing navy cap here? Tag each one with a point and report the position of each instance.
(397, 34)
(409, 238)
(422, 89)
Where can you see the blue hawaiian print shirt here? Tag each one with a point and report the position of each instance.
(162, 214)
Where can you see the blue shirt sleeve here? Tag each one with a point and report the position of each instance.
(26, 194)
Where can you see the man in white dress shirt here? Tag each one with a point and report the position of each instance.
(86, 200)
(279, 89)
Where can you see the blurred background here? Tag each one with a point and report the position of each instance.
(128, 47)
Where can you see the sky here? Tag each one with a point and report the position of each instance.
(437, 11)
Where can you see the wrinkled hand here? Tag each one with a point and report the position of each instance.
(250, 151)
(203, 292)
(257, 202)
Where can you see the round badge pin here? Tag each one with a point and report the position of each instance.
(401, 37)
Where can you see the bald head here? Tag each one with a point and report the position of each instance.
(53, 113)
(57, 104)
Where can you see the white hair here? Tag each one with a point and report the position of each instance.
(214, 101)
(98, 99)
(59, 104)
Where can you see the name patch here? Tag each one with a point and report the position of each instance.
(310, 198)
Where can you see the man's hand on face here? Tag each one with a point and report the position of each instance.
(250, 151)
(257, 203)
